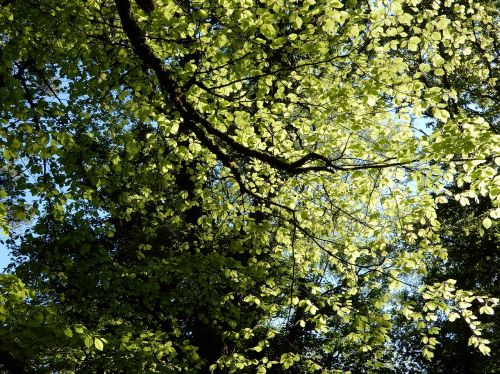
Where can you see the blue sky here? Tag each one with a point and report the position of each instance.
(4, 255)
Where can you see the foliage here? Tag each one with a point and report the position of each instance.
(33, 336)
(243, 185)
(473, 260)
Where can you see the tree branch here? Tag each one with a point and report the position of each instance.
(193, 120)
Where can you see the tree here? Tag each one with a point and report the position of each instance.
(240, 185)
(473, 261)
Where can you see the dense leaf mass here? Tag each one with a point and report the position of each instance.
(244, 185)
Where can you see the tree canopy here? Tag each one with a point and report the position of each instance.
(240, 185)
(473, 260)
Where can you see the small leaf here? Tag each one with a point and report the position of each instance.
(296, 21)
(371, 101)
(283, 357)
(68, 333)
(487, 223)
(486, 310)
(436, 35)
(98, 344)
(79, 329)
(88, 341)
(484, 349)
(453, 316)
(268, 30)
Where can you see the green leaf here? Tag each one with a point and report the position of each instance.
(296, 21)
(88, 341)
(487, 223)
(78, 329)
(98, 344)
(484, 349)
(453, 316)
(68, 332)
(336, 4)
(268, 30)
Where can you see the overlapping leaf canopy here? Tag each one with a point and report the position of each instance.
(243, 185)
